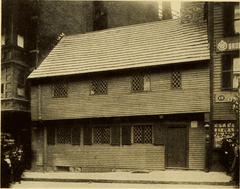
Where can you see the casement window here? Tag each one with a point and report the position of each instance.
(2, 90)
(63, 135)
(98, 87)
(21, 85)
(231, 19)
(230, 71)
(176, 80)
(142, 134)
(60, 89)
(236, 18)
(20, 41)
(101, 135)
(141, 83)
(3, 42)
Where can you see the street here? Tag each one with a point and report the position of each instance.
(28, 184)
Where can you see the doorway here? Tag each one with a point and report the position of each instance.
(176, 148)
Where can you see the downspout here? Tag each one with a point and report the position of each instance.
(211, 77)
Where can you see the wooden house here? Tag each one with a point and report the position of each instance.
(133, 97)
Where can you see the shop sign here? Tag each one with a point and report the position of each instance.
(224, 97)
(223, 130)
(227, 44)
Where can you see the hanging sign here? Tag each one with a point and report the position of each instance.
(227, 44)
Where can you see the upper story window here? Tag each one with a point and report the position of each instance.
(20, 41)
(230, 71)
(231, 19)
(3, 40)
(60, 89)
(99, 87)
(142, 134)
(237, 18)
(101, 135)
(141, 83)
(176, 80)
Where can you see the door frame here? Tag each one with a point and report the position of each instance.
(184, 125)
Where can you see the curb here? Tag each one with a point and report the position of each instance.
(126, 181)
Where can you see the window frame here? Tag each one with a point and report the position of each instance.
(55, 83)
(229, 19)
(101, 140)
(171, 80)
(98, 81)
(142, 75)
(229, 57)
(143, 128)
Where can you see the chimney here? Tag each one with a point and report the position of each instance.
(166, 10)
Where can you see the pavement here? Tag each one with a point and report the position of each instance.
(140, 177)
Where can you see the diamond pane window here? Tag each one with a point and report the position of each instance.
(101, 135)
(141, 83)
(60, 89)
(142, 134)
(99, 87)
(63, 135)
(176, 80)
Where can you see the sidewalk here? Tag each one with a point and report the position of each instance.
(154, 177)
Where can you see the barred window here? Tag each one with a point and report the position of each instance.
(142, 134)
(176, 80)
(141, 83)
(63, 135)
(60, 89)
(101, 135)
(99, 87)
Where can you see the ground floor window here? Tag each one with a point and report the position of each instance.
(142, 134)
(63, 135)
(101, 135)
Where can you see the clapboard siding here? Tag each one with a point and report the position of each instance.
(107, 156)
(194, 97)
(197, 148)
(222, 111)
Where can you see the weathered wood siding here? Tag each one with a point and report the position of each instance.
(222, 111)
(197, 148)
(107, 156)
(37, 148)
(193, 97)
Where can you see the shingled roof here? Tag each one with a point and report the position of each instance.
(141, 45)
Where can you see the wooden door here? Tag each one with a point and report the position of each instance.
(176, 147)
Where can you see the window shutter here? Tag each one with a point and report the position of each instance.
(76, 132)
(115, 138)
(160, 134)
(51, 135)
(126, 135)
(87, 135)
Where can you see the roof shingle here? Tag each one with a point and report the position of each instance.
(141, 45)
